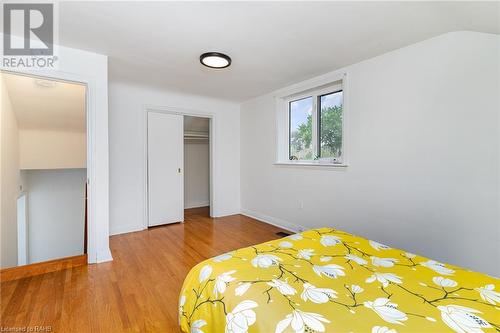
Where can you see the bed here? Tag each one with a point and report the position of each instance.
(325, 280)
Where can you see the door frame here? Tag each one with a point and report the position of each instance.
(211, 143)
(90, 115)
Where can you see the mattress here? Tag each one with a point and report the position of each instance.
(326, 280)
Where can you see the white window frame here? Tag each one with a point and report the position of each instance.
(314, 89)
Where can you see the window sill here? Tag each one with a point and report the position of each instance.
(311, 164)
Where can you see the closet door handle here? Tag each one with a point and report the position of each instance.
(179, 170)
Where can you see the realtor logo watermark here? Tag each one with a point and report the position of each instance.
(29, 36)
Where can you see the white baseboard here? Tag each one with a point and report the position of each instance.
(273, 221)
(198, 205)
(292, 227)
(218, 213)
(123, 229)
(103, 256)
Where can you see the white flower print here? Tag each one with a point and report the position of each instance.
(382, 329)
(356, 289)
(223, 257)
(383, 262)
(306, 253)
(386, 310)
(437, 267)
(285, 245)
(331, 271)
(242, 288)
(489, 294)
(329, 240)
(205, 273)
(281, 294)
(197, 325)
(182, 301)
(317, 295)
(356, 259)
(265, 260)
(378, 246)
(301, 322)
(242, 316)
(462, 319)
(222, 281)
(295, 237)
(282, 286)
(444, 282)
(384, 278)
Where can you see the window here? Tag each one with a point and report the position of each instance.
(315, 126)
(300, 118)
(330, 125)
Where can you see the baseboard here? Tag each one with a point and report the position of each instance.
(199, 205)
(20, 272)
(225, 213)
(273, 221)
(123, 229)
(104, 256)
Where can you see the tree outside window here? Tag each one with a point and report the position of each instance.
(329, 133)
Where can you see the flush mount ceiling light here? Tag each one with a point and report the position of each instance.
(215, 60)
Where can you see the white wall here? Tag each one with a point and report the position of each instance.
(423, 145)
(49, 149)
(91, 69)
(127, 141)
(9, 179)
(196, 174)
(56, 213)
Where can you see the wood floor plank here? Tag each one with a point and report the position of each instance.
(136, 292)
(18, 272)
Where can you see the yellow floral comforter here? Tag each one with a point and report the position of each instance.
(325, 280)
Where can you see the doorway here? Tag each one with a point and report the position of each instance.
(45, 215)
(197, 164)
(178, 164)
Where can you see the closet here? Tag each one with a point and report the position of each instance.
(196, 162)
(178, 148)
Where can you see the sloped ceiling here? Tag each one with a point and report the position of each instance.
(45, 104)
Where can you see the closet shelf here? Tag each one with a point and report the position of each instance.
(195, 135)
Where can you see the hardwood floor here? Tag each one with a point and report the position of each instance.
(136, 292)
(19, 272)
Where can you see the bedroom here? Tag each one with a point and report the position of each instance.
(376, 119)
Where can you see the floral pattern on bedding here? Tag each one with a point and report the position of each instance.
(325, 280)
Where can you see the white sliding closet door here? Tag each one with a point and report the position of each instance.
(165, 163)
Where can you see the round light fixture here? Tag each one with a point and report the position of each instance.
(215, 60)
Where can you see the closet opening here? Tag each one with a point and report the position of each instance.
(196, 165)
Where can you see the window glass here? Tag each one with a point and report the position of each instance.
(330, 125)
(300, 129)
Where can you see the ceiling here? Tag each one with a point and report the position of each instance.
(46, 104)
(272, 44)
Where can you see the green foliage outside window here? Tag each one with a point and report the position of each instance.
(331, 131)
(330, 135)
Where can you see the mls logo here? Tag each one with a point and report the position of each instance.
(34, 24)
